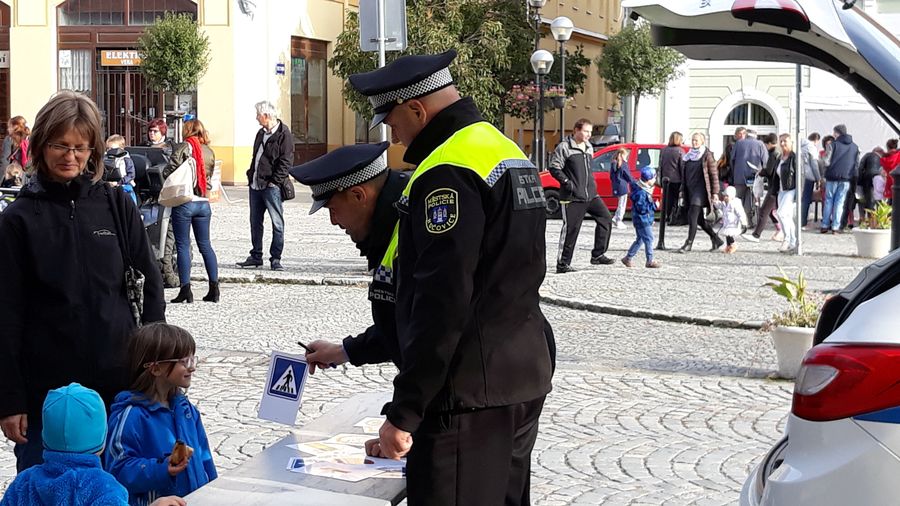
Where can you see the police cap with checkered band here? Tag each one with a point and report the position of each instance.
(405, 78)
(340, 169)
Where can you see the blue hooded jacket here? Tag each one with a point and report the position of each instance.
(73, 479)
(643, 209)
(141, 436)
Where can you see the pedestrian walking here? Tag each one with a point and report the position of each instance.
(621, 180)
(811, 174)
(841, 159)
(197, 213)
(700, 189)
(670, 174)
(359, 191)
(15, 145)
(476, 362)
(889, 162)
(570, 164)
(643, 213)
(273, 156)
(157, 137)
(786, 180)
(64, 305)
(147, 420)
(748, 157)
(769, 176)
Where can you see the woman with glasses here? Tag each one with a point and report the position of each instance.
(156, 136)
(65, 312)
(195, 214)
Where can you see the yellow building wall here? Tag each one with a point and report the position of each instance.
(32, 62)
(217, 86)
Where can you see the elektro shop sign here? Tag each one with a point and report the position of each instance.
(119, 58)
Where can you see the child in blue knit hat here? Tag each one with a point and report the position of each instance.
(643, 209)
(74, 432)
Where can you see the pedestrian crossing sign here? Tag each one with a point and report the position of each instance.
(284, 388)
(286, 376)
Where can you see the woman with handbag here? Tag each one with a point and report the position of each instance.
(195, 213)
(700, 189)
(70, 246)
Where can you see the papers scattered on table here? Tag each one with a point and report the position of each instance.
(343, 457)
(370, 425)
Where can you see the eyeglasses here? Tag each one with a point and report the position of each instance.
(187, 362)
(62, 150)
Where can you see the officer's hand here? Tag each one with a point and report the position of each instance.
(324, 355)
(14, 428)
(373, 448)
(393, 442)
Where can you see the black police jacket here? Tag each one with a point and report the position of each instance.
(379, 342)
(63, 308)
(469, 321)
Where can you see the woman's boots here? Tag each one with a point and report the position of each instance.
(684, 249)
(184, 295)
(213, 295)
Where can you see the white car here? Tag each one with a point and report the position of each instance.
(842, 439)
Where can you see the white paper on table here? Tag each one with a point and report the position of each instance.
(346, 472)
(324, 448)
(370, 425)
(284, 388)
(350, 439)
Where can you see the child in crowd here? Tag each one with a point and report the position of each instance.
(13, 176)
(146, 422)
(734, 218)
(643, 210)
(621, 180)
(121, 160)
(74, 432)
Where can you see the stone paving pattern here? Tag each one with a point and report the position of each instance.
(643, 411)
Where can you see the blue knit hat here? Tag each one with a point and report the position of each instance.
(647, 173)
(74, 420)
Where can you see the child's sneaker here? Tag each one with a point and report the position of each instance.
(627, 261)
(653, 264)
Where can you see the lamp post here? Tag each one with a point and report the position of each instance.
(541, 61)
(534, 10)
(561, 28)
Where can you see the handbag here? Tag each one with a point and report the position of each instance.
(178, 188)
(134, 279)
(287, 189)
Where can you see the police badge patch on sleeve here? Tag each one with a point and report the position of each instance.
(441, 210)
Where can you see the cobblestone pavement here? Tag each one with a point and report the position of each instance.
(643, 412)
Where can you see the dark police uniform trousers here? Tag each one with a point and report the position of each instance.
(477, 351)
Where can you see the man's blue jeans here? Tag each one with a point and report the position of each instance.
(196, 214)
(645, 237)
(833, 208)
(262, 201)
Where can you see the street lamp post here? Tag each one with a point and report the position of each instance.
(541, 61)
(534, 9)
(561, 28)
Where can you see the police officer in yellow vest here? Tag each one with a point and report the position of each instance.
(359, 191)
(477, 353)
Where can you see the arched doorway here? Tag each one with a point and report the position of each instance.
(96, 43)
(749, 108)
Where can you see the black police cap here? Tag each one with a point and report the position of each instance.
(340, 169)
(403, 79)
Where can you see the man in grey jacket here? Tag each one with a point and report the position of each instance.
(570, 164)
(748, 156)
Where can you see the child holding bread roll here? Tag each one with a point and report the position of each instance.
(157, 445)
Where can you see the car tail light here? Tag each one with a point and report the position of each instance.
(839, 381)
(784, 13)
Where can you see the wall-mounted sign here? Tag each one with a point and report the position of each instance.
(65, 58)
(119, 58)
(4, 59)
(279, 69)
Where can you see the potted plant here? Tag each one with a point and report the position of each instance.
(557, 96)
(873, 236)
(792, 329)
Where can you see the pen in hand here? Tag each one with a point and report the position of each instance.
(310, 350)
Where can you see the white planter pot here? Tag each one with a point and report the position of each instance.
(872, 243)
(791, 344)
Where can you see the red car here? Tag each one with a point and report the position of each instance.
(640, 156)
